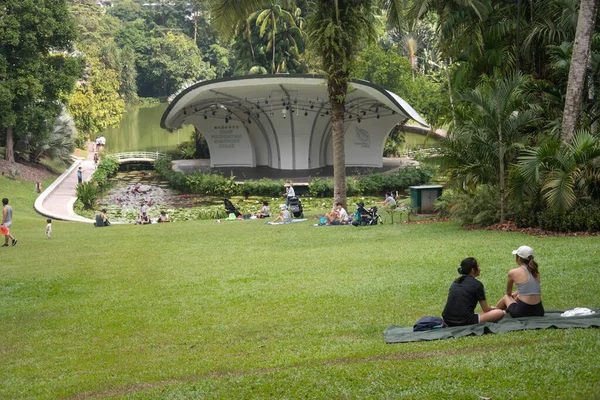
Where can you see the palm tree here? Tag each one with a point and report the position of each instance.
(490, 128)
(336, 31)
(588, 12)
(337, 28)
(275, 28)
(267, 19)
(562, 172)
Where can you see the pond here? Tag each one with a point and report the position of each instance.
(140, 130)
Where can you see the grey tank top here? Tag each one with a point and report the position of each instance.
(529, 288)
(8, 220)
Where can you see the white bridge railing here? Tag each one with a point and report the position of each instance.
(138, 155)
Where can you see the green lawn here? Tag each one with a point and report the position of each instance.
(245, 310)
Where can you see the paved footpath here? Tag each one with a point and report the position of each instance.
(57, 200)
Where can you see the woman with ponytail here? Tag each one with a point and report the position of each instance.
(463, 296)
(526, 301)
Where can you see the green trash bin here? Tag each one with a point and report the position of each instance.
(423, 197)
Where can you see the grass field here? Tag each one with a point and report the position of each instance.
(245, 310)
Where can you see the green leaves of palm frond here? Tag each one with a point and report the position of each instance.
(554, 21)
(228, 13)
(562, 171)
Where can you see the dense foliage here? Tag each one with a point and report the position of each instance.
(37, 70)
(219, 185)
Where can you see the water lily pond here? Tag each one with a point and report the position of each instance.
(135, 191)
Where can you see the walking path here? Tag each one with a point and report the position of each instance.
(57, 200)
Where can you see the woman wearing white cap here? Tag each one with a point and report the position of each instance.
(526, 301)
(284, 215)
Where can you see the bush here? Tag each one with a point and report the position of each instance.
(481, 207)
(109, 165)
(177, 180)
(100, 178)
(583, 217)
(187, 149)
(323, 187)
(87, 193)
(262, 187)
(218, 185)
(377, 184)
(211, 184)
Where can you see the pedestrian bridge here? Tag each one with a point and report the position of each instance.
(137, 156)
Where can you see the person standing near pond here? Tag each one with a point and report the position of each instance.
(464, 294)
(79, 176)
(526, 301)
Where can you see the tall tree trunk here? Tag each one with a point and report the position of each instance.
(10, 144)
(337, 92)
(502, 183)
(273, 41)
(588, 9)
(195, 26)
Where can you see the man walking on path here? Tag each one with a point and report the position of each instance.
(79, 175)
(6, 223)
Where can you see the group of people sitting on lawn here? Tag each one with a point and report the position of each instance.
(466, 291)
(144, 219)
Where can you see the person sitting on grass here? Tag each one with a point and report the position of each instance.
(164, 217)
(389, 201)
(145, 220)
(264, 211)
(102, 219)
(337, 216)
(526, 301)
(284, 215)
(463, 296)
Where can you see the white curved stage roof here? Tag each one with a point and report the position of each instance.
(284, 121)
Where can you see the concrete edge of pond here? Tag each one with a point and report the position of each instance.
(59, 196)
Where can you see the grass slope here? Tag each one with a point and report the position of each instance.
(245, 310)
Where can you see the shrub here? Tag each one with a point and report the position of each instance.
(87, 193)
(211, 184)
(262, 187)
(177, 180)
(109, 165)
(481, 207)
(321, 187)
(100, 177)
(582, 217)
(187, 149)
(377, 184)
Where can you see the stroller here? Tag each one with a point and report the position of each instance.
(295, 207)
(230, 208)
(372, 216)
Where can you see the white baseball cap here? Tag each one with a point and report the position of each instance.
(524, 252)
(283, 206)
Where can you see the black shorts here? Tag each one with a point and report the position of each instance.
(521, 309)
(472, 320)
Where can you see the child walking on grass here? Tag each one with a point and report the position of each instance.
(48, 227)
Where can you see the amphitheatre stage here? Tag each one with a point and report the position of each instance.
(280, 125)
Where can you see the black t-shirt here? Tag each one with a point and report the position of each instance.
(362, 211)
(462, 300)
